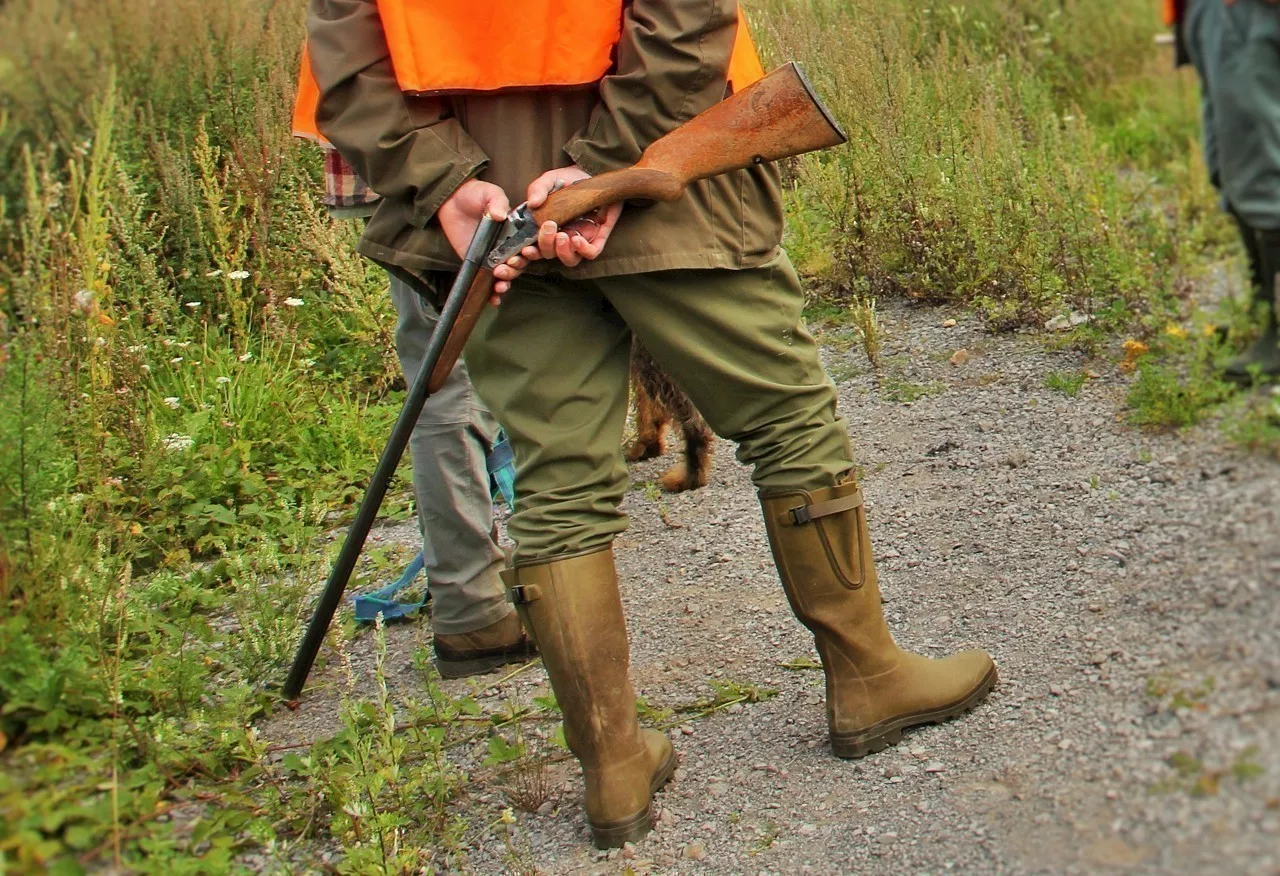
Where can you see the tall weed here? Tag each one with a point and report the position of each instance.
(975, 173)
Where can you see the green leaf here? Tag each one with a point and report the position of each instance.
(501, 751)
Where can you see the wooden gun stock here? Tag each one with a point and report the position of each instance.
(777, 117)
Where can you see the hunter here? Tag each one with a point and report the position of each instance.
(1235, 47)
(450, 109)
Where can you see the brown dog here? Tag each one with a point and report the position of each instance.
(659, 403)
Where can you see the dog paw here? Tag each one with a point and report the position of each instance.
(641, 450)
(678, 479)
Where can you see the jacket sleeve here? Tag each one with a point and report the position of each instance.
(673, 63)
(405, 149)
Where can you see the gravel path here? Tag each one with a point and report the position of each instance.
(1127, 583)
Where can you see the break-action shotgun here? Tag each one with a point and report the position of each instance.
(777, 117)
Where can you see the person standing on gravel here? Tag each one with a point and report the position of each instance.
(450, 114)
(1235, 47)
(474, 630)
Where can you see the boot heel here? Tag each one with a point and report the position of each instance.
(860, 745)
(617, 834)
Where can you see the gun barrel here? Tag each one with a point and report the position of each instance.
(344, 565)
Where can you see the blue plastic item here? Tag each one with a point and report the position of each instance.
(501, 465)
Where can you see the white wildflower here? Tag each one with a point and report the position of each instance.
(192, 305)
(223, 380)
(174, 402)
(135, 348)
(238, 275)
(175, 360)
(245, 357)
(100, 341)
(144, 368)
(177, 443)
(85, 300)
(215, 273)
(293, 302)
(306, 363)
(183, 344)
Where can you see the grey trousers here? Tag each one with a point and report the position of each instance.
(451, 483)
(1236, 51)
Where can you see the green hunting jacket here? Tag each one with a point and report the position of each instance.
(415, 151)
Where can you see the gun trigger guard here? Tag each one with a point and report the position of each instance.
(517, 232)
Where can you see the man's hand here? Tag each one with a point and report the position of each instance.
(460, 215)
(582, 239)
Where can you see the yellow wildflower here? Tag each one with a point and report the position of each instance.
(1133, 351)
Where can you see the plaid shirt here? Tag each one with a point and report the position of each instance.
(344, 191)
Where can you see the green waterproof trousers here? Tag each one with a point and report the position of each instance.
(1236, 51)
(553, 361)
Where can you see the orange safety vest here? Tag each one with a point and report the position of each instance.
(459, 46)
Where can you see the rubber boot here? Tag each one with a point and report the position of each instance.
(1262, 357)
(1253, 252)
(574, 612)
(874, 688)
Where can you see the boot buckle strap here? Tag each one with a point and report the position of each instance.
(808, 513)
(523, 594)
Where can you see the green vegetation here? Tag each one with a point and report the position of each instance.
(197, 371)
(900, 390)
(1067, 383)
(1024, 158)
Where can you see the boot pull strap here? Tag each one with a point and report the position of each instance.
(523, 594)
(807, 513)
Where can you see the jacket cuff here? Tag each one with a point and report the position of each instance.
(430, 197)
(600, 147)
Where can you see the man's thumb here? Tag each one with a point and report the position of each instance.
(496, 204)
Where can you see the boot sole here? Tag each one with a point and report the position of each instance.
(453, 669)
(880, 736)
(616, 834)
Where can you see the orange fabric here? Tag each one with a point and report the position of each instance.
(1170, 12)
(461, 45)
(307, 103)
(465, 45)
(744, 64)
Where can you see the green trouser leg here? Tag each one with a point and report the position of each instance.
(552, 363)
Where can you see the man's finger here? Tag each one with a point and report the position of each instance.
(565, 251)
(547, 240)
